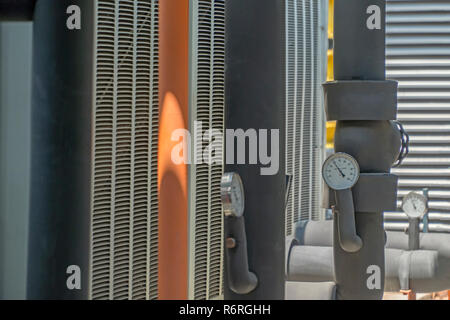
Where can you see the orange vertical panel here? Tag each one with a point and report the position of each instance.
(172, 178)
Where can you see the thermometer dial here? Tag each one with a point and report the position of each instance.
(340, 171)
(415, 205)
(232, 194)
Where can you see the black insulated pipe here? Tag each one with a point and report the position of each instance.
(364, 105)
(240, 279)
(255, 92)
(345, 218)
(59, 225)
(17, 10)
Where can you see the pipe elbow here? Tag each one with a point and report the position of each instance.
(244, 283)
(350, 243)
(240, 279)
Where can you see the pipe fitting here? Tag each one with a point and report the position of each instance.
(240, 279)
(375, 145)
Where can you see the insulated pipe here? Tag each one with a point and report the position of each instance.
(320, 234)
(240, 279)
(17, 10)
(419, 270)
(317, 235)
(345, 219)
(61, 148)
(428, 241)
(254, 88)
(414, 234)
(364, 104)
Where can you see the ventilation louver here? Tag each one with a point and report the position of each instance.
(124, 227)
(207, 106)
(304, 110)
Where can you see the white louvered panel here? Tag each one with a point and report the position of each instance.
(303, 109)
(103, 152)
(208, 94)
(418, 51)
(152, 205)
(218, 123)
(291, 79)
(124, 106)
(124, 211)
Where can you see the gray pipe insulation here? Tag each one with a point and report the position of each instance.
(364, 104)
(255, 83)
(240, 279)
(320, 234)
(417, 270)
(311, 258)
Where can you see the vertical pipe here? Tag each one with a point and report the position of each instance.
(414, 234)
(255, 100)
(359, 54)
(425, 218)
(172, 178)
(62, 102)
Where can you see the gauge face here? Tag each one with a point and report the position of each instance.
(340, 171)
(232, 194)
(415, 205)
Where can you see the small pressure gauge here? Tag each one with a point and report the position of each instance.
(232, 194)
(340, 171)
(415, 205)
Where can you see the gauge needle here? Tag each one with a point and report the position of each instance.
(340, 171)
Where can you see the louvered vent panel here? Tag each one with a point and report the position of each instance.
(208, 109)
(418, 56)
(124, 210)
(303, 109)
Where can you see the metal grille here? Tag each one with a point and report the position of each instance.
(207, 107)
(124, 202)
(304, 114)
(418, 56)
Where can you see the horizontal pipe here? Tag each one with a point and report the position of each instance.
(310, 290)
(434, 217)
(315, 264)
(432, 227)
(320, 233)
(315, 233)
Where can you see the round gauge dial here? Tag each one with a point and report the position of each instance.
(340, 171)
(232, 194)
(415, 205)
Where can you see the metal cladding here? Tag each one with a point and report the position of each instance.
(207, 106)
(417, 52)
(305, 59)
(124, 211)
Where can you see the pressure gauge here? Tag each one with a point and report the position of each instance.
(340, 171)
(232, 194)
(415, 205)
